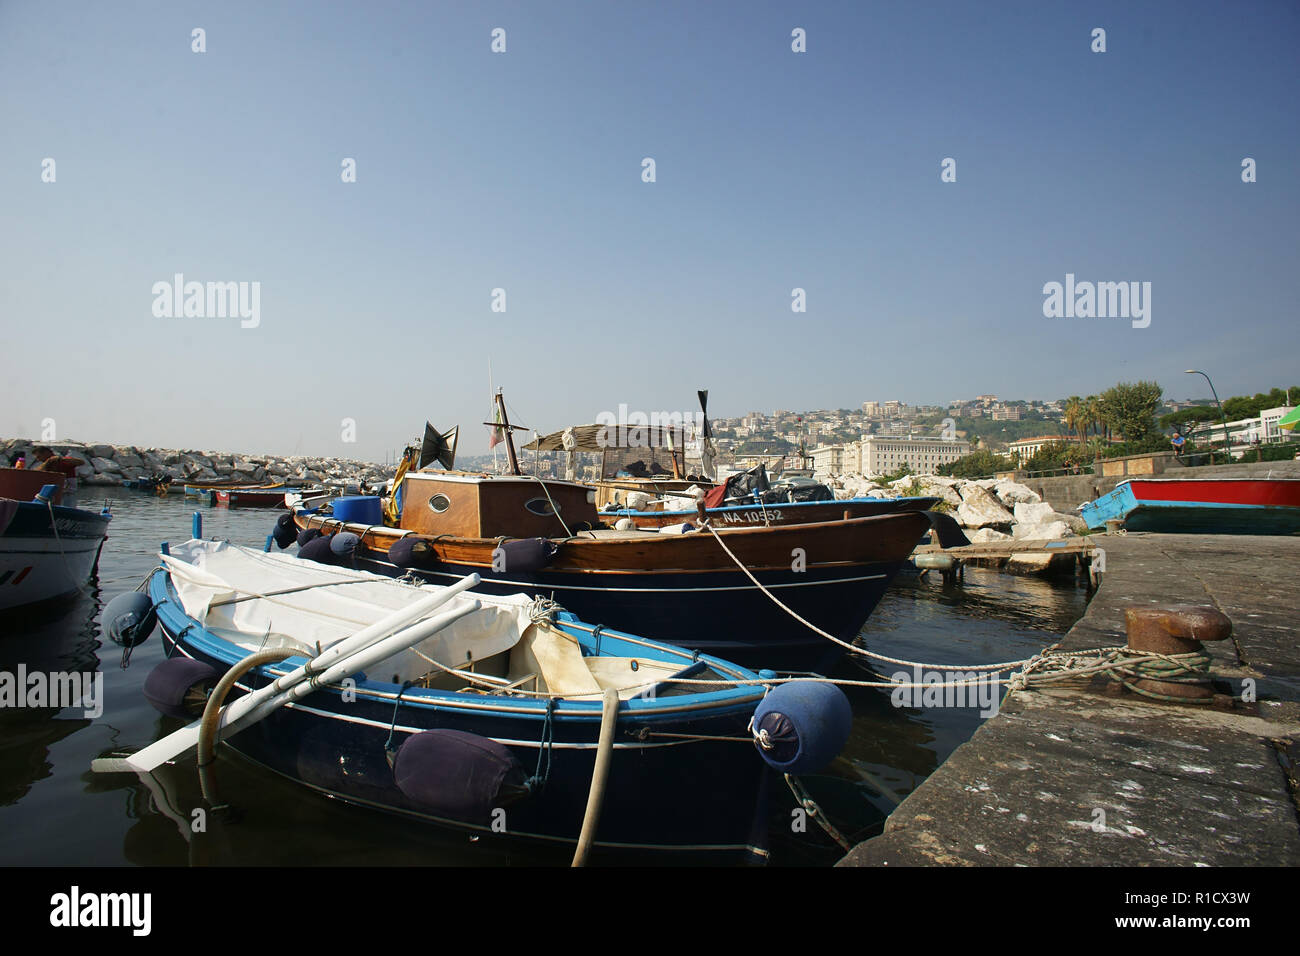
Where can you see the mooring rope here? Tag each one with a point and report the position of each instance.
(1121, 664)
(1000, 666)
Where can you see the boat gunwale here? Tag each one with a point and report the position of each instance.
(720, 700)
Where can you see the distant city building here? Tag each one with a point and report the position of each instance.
(885, 454)
(828, 460)
(1006, 413)
(1026, 448)
(986, 399)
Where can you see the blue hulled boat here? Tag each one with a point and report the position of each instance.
(1200, 505)
(493, 722)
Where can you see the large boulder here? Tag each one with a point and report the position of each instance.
(945, 488)
(1033, 512)
(106, 466)
(102, 451)
(979, 509)
(987, 536)
(1047, 531)
(1012, 493)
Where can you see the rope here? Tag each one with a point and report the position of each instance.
(813, 810)
(389, 752)
(1001, 666)
(555, 509)
(54, 526)
(537, 782)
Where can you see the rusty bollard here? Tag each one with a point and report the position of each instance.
(1175, 629)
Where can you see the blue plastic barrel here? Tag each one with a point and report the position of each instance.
(363, 509)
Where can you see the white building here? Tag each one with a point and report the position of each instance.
(1026, 448)
(1246, 431)
(830, 460)
(885, 454)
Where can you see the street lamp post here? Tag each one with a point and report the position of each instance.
(1227, 439)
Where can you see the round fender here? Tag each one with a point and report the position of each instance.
(522, 555)
(130, 618)
(179, 686)
(457, 774)
(345, 545)
(318, 549)
(801, 726)
(412, 551)
(308, 534)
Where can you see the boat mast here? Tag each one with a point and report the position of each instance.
(510, 438)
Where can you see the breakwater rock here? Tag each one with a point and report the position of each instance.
(113, 464)
(993, 508)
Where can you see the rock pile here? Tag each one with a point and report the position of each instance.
(113, 464)
(991, 509)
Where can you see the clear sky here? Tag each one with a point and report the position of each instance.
(522, 171)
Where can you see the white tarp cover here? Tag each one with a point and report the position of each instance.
(206, 573)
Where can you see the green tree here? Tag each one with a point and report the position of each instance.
(1130, 409)
(978, 464)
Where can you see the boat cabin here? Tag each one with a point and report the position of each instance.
(493, 506)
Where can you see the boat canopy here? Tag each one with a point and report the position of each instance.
(599, 438)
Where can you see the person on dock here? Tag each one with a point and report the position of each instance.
(1178, 441)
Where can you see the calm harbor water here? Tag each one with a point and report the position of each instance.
(54, 811)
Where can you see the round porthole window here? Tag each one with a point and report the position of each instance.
(439, 503)
(539, 506)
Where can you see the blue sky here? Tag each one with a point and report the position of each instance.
(522, 170)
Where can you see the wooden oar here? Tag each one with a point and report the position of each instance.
(182, 740)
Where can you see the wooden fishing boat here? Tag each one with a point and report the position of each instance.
(493, 722)
(545, 538)
(47, 550)
(1201, 505)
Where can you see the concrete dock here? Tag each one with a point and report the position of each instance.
(1077, 775)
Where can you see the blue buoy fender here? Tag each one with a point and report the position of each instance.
(179, 686)
(457, 774)
(286, 532)
(802, 726)
(130, 618)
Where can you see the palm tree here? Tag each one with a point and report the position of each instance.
(1074, 416)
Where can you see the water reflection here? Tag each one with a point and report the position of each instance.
(55, 811)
